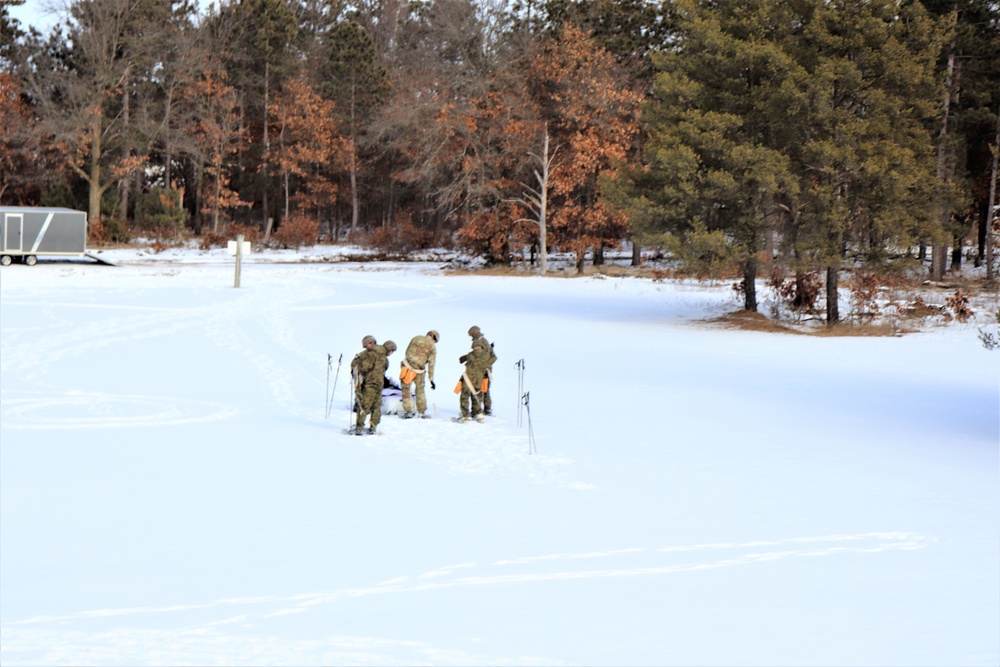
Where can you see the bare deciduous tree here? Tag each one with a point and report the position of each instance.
(536, 201)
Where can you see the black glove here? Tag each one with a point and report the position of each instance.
(462, 359)
(433, 386)
(492, 345)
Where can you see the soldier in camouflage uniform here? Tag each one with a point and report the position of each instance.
(475, 333)
(368, 369)
(476, 363)
(417, 363)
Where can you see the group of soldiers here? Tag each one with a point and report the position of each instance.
(416, 369)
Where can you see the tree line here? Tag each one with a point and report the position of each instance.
(821, 133)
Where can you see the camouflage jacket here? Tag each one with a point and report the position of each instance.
(488, 348)
(477, 363)
(370, 366)
(421, 355)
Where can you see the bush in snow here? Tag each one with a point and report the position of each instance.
(704, 253)
(799, 293)
(991, 339)
(959, 306)
(297, 231)
(865, 287)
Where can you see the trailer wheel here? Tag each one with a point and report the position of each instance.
(30, 260)
(5, 260)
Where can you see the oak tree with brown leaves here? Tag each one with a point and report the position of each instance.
(595, 117)
(309, 148)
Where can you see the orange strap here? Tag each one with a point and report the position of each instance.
(486, 385)
(406, 374)
(458, 387)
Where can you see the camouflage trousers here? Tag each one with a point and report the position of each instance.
(418, 385)
(370, 402)
(485, 397)
(468, 402)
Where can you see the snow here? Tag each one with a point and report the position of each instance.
(171, 493)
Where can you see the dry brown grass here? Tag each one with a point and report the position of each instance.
(498, 270)
(746, 320)
(844, 329)
(560, 271)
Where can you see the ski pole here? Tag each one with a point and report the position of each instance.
(329, 362)
(326, 395)
(520, 387)
(354, 398)
(531, 432)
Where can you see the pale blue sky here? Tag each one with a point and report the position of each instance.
(42, 14)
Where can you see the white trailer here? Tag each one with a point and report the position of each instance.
(27, 232)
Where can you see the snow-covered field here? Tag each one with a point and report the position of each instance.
(171, 493)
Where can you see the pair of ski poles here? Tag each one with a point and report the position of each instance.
(328, 399)
(522, 400)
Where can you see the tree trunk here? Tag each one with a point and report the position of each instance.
(980, 242)
(284, 172)
(94, 180)
(167, 173)
(199, 179)
(939, 254)
(218, 190)
(125, 185)
(240, 163)
(832, 295)
(991, 216)
(94, 203)
(263, 167)
(355, 206)
(543, 200)
(800, 301)
(636, 253)
(543, 247)
(750, 285)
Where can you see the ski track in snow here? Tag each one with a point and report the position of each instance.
(252, 324)
(212, 644)
(665, 560)
(100, 410)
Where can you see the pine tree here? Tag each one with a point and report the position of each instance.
(721, 103)
(260, 57)
(350, 73)
(865, 167)
(973, 56)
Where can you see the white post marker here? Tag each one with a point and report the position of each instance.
(238, 248)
